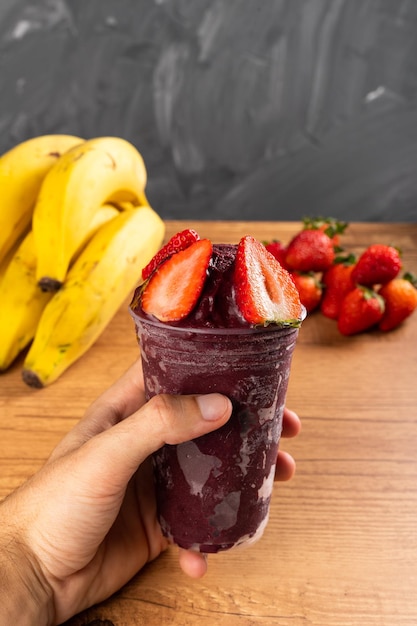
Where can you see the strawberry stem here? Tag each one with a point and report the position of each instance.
(345, 259)
(412, 278)
(333, 226)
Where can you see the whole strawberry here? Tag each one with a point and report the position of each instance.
(309, 289)
(311, 250)
(278, 250)
(361, 309)
(377, 265)
(331, 226)
(400, 295)
(337, 282)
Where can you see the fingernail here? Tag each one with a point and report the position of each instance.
(213, 406)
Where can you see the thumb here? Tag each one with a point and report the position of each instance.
(118, 451)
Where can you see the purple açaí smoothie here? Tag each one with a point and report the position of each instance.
(213, 493)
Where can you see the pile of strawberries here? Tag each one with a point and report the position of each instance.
(360, 293)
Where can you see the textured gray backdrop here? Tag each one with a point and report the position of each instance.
(242, 109)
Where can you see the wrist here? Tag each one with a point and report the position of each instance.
(25, 596)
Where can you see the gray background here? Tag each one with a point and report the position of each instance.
(242, 109)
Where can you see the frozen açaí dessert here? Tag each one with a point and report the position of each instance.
(218, 318)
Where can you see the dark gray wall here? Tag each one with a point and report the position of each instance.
(243, 109)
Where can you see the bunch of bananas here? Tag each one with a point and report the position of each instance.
(76, 230)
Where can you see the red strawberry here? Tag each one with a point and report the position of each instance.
(337, 281)
(178, 242)
(174, 288)
(361, 309)
(309, 289)
(377, 265)
(311, 250)
(400, 295)
(332, 227)
(278, 250)
(264, 289)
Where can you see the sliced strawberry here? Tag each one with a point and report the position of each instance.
(264, 290)
(178, 242)
(175, 286)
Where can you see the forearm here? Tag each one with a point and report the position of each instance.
(25, 598)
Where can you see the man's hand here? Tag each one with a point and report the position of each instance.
(86, 523)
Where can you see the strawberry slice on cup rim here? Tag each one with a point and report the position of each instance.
(176, 285)
(178, 242)
(265, 292)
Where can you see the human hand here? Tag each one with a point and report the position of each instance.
(86, 522)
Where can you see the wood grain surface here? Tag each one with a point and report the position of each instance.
(341, 545)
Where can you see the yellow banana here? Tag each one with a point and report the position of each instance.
(22, 300)
(96, 286)
(4, 263)
(101, 170)
(104, 214)
(124, 206)
(22, 303)
(22, 170)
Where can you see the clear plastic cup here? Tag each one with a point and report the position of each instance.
(213, 493)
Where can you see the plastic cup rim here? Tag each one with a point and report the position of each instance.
(139, 319)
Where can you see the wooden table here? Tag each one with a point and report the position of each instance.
(341, 545)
